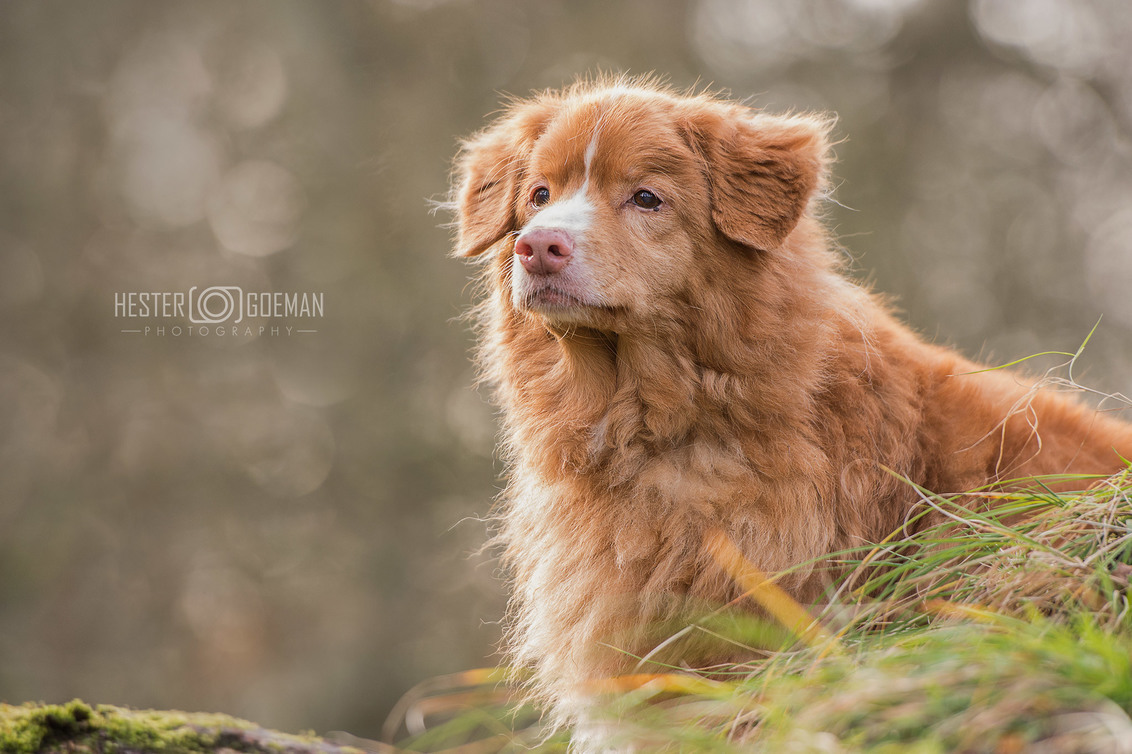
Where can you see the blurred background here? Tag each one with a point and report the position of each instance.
(284, 527)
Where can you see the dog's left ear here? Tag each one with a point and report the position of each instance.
(763, 170)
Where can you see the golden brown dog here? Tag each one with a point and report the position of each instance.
(677, 350)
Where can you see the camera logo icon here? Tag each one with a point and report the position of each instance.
(216, 304)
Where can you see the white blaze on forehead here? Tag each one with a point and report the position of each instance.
(591, 148)
(574, 214)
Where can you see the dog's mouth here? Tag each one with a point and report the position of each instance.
(560, 299)
(550, 298)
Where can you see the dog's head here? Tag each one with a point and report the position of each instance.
(601, 202)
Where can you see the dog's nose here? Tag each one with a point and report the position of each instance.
(544, 251)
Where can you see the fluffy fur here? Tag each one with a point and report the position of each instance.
(705, 365)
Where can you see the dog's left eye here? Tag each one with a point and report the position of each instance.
(646, 199)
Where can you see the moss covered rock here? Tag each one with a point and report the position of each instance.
(80, 728)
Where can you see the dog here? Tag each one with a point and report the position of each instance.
(677, 350)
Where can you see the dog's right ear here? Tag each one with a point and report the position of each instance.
(489, 169)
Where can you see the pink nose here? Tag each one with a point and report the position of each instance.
(544, 251)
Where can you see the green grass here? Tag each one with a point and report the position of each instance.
(1006, 628)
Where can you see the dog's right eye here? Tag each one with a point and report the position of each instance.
(540, 196)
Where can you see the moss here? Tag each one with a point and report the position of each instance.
(77, 728)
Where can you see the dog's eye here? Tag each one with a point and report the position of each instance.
(646, 199)
(540, 196)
